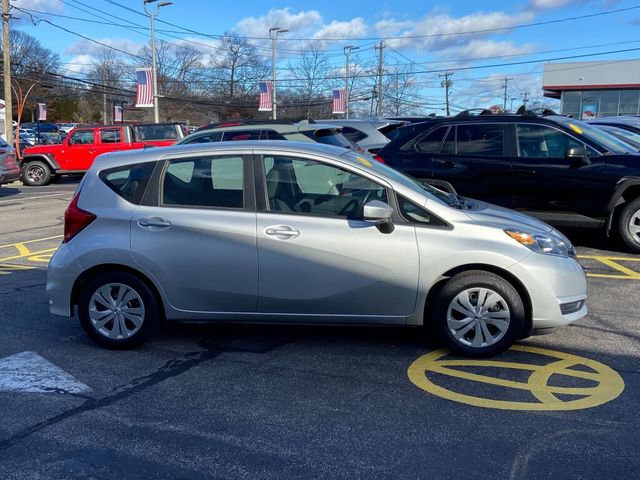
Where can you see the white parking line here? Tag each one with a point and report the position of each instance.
(14, 198)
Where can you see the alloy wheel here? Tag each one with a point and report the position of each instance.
(116, 311)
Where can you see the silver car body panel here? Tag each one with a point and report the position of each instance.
(218, 264)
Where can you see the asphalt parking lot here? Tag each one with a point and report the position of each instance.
(246, 401)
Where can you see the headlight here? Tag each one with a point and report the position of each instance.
(543, 243)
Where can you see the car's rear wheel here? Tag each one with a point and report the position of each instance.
(118, 310)
(629, 225)
(478, 314)
(36, 173)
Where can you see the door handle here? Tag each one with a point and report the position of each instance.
(524, 171)
(154, 222)
(444, 164)
(281, 231)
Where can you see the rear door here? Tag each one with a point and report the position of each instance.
(199, 240)
(474, 159)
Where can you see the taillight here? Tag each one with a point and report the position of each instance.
(75, 219)
(378, 158)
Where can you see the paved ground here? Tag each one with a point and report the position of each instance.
(220, 401)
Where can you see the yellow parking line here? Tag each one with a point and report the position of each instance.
(28, 254)
(620, 268)
(597, 257)
(31, 241)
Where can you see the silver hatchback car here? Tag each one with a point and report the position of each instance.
(279, 231)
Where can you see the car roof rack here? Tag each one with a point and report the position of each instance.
(474, 111)
(535, 112)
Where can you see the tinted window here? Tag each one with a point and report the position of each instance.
(204, 138)
(353, 134)
(432, 141)
(110, 136)
(328, 136)
(271, 135)
(307, 186)
(238, 135)
(449, 145)
(81, 137)
(129, 182)
(628, 102)
(539, 141)
(483, 139)
(204, 182)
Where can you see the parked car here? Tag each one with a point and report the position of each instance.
(9, 168)
(626, 136)
(303, 131)
(301, 232)
(46, 133)
(627, 122)
(65, 128)
(159, 134)
(76, 153)
(563, 171)
(371, 134)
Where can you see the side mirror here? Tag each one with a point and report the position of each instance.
(578, 155)
(379, 213)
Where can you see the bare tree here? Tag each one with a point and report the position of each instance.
(399, 91)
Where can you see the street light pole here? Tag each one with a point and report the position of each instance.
(8, 128)
(347, 51)
(156, 110)
(273, 35)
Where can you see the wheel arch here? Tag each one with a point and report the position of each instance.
(41, 158)
(627, 190)
(504, 274)
(92, 272)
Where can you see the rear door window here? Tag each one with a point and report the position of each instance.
(240, 135)
(432, 141)
(480, 139)
(214, 182)
(128, 182)
(111, 135)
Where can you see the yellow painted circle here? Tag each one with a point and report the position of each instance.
(609, 384)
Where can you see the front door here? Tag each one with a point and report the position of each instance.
(547, 183)
(79, 152)
(199, 242)
(318, 257)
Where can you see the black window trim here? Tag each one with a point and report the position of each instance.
(248, 193)
(444, 226)
(146, 181)
(429, 131)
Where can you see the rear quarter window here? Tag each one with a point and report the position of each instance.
(130, 181)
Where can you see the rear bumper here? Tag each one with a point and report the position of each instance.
(61, 275)
(9, 176)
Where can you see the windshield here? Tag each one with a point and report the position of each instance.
(408, 181)
(599, 137)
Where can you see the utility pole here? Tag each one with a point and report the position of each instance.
(8, 126)
(525, 99)
(380, 47)
(273, 35)
(104, 108)
(446, 83)
(506, 83)
(156, 110)
(347, 51)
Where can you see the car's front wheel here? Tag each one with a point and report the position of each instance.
(118, 310)
(629, 225)
(478, 314)
(36, 173)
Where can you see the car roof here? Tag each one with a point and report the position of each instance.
(114, 159)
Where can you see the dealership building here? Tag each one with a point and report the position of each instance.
(594, 89)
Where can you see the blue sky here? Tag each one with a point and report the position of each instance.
(427, 35)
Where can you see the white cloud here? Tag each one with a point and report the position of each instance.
(544, 4)
(85, 47)
(300, 23)
(479, 49)
(352, 29)
(441, 31)
(79, 64)
(42, 5)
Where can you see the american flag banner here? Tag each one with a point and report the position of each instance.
(338, 100)
(144, 88)
(42, 112)
(264, 97)
(117, 113)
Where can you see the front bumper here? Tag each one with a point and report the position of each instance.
(554, 284)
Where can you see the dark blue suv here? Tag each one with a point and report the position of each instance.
(561, 170)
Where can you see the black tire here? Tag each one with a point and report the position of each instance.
(151, 311)
(628, 220)
(36, 173)
(506, 302)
